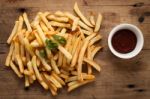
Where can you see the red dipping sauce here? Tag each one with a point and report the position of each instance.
(124, 41)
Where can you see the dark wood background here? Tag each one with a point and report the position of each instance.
(119, 79)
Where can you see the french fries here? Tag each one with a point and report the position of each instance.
(53, 48)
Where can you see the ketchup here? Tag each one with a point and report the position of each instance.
(124, 41)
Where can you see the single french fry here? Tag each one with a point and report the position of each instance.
(58, 78)
(92, 20)
(65, 52)
(41, 34)
(59, 13)
(28, 46)
(48, 53)
(76, 55)
(60, 58)
(78, 12)
(86, 32)
(72, 83)
(64, 76)
(81, 24)
(44, 19)
(38, 38)
(54, 66)
(20, 25)
(30, 68)
(9, 56)
(58, 19)
(74, 86)
(27, 84)
(45, 64)
(44, 85)
(37, 73)
(25, 17)
(58, 24)
(27, 56)
(95, 39)
(43, 26)
(95, 51)
(98, 23)
(89, 57)
(53, 80)
(18, 57)
(22, 51)
(92, 63)
(35, 21)
(13, 33)
(15, 69)
(85, 77)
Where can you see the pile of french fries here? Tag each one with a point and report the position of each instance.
(53, 48)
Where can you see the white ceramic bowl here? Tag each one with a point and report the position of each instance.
(139, 45)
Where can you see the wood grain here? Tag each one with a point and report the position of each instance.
(119, 79)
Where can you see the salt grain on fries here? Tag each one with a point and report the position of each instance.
(53, 48)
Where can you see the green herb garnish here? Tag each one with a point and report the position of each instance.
(60, 39)
(50, 44)
(43, 53)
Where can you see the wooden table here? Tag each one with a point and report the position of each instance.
(119, 79)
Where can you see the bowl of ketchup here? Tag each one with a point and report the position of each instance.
(125, 41)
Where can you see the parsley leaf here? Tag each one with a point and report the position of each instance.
(50, 44)
(60, 39)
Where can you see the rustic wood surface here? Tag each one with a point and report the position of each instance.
(119, 79)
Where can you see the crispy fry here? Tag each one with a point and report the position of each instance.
(85, 77)
(28, 46)
(95, 51)
(92, 63)
(15, 69)
(92, 20)
(53, 80)
(78, 12)
(44, 28)
(78, 84)
(25, 17)
(85, 26)
(18, 58)
(65, 52)
(58, 19)
(54, 66)
(86, 32)
(58, 78)
(13, 33)
(95, 39)
(37, 73)
(9, 57)
(98, 23)
(59, 13)
(27, 84)
(58, 24)
(44, 19)
(45, 64)
(41, 34)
